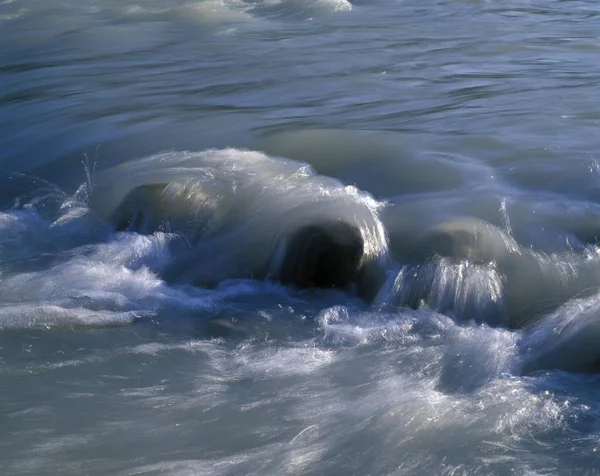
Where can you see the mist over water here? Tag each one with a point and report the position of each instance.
(159, 160)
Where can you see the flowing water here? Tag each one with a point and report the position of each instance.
(157, 157)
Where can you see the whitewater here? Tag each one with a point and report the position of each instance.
(271, 237)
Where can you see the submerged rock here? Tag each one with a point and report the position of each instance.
(469, 238)
(325, 255)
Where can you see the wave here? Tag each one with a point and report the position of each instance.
(184, 232)
(203, 12)
(244, 214)
(296, 8)
(475, 271)
(170, 232)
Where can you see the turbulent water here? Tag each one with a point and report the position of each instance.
(157, 158)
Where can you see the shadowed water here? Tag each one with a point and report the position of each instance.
(161, 162)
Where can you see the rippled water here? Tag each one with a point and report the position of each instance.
(158, 158)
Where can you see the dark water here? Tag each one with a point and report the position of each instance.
(459, 137)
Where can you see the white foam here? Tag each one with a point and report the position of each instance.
(295, 8)
(77, 280)
(45, 316)
(329, 5)
(234, 207)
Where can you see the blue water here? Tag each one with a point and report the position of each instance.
(458, 137)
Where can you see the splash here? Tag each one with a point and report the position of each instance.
(237, 211)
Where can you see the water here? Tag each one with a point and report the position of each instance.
(158, 158)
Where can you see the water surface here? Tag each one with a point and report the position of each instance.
(460, 137)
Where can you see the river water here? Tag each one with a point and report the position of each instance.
(460, 137)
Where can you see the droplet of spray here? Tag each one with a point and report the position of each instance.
(505, 218)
